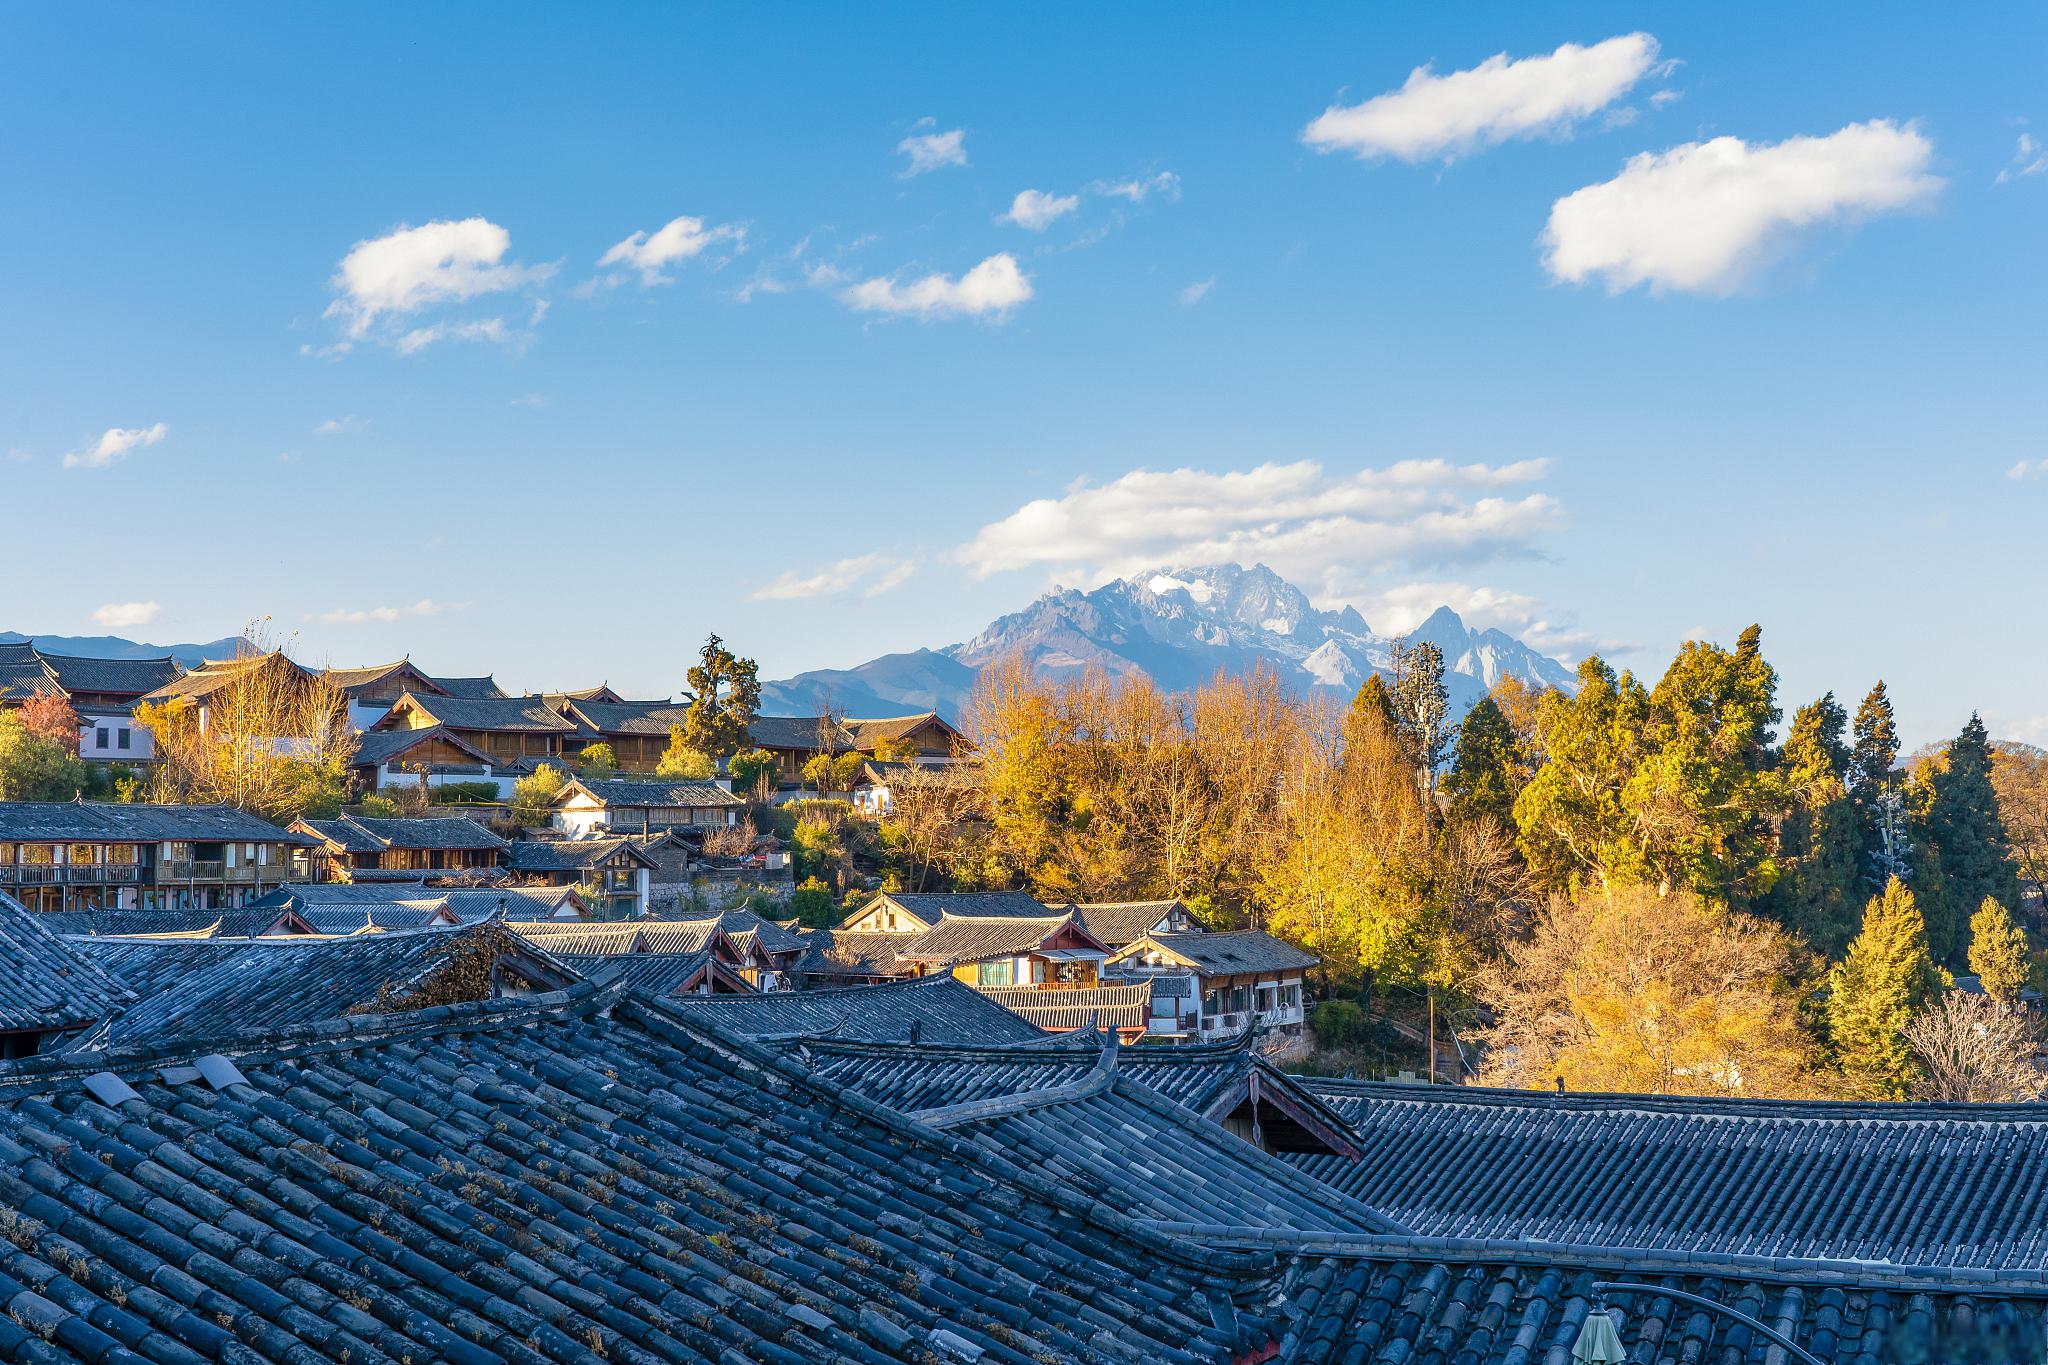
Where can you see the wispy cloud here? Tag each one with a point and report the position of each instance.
(1139, 188)
(426, 606)
(126, 615)
(2028, 469)
(989, 290)
(2027, 159)
(1193, 294)
(114, 445)
(1332, 530)
(336, 426)
(1035, 210)
(870, 574)
(1497, 101)
(1707, 217)
(1401, 608)
(932, 151)
(649, 255)
(384, 281)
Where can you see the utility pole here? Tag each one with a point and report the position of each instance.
(1430, 991)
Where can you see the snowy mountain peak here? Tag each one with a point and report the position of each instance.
(1180, 625)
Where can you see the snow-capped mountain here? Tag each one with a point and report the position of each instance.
(1179, 626)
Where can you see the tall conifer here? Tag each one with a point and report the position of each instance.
(1874, 991)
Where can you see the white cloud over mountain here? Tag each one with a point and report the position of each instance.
(1497, 101)
(1314, 527)
(1707, 217)
(126, 615)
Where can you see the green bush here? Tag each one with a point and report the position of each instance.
(377, 806)
(812, 904)
(1340, 1026)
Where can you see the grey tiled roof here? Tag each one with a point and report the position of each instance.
(475, 689)
(22, 673)
(505, 714)
(46, 983)
(775, 940)
(1110, 1007)
(117, 822)
(193, 988)
(655, 791)
(971, 939)
(1235, 951)
(117, 677)
(646, 973)
(245, 922)
(458, 1185)
(938, 1007)
(1908, 1184)
(842, 953)
(930, 906)
(629, 717)
(624, 936)
(1120, 922)
(569, 855)
(371, 834)
(378, 747)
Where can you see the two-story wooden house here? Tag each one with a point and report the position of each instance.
(79, 855)
(504, 729)
(615, 869)
(923, 738)
(637, 731)
(1214, 986)
(992, 950)
(357, 848)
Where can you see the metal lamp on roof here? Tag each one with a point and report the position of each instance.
(1599, 1343)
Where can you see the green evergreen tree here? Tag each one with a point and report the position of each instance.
(1965, 854)
(1874, 991)
(1373, 699)
(1704, 800)
(725, 690)
(1574, 827)
(1819, 889)
(1998, 952)
(1875, 787)
(1485, 772)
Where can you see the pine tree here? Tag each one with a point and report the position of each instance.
(1703, 802)
(1998, 952)
(1874, 784)
(725, 690)
(1874, 991)
(1374, 702)
(1485, 774)
(1819, 886)
(1574, 828)
(1966, 856)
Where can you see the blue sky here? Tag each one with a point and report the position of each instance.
(1780, 360)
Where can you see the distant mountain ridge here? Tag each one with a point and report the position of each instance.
(1180, 627)
(114, 647)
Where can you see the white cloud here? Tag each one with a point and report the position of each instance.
(1309, 525)
(1139, 189)
(1494, 102)
(409, 269)
(991, 289)
(530, 400)
(126, 615)
(336, 426)
(1035, 210)
(426, 606)
(1399, 609)
(679, 239)
(20, 454)
(1705, 217)
(2027, 159)
(114, 445)
(933, 151)
(1196, 292)
(2028, 469)
(873, 574)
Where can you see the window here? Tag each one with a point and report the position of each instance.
(992, 973)
(120, 738)
(100, 737)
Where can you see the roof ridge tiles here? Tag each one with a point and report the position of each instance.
(342, 1033)
(1098, 1080)
(1622, 1103)
(660, 1017)
(1803, 1271)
